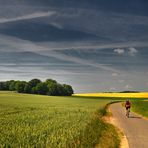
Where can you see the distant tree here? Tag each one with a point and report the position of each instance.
(7, 83)
(128, 91)
(48, 81)
(41, 88)
(60, 90)
(20, 85)
(68, 90)
(36, 86)
(55, 89)
(52, 89)
(2, 86)
(33, 90)
(27, 88)
(12, 85)
(34, 82)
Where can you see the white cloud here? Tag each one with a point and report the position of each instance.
(28, 16)
(119, 51)
(114, 74)
(132, 51)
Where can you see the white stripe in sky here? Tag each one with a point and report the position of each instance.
(27, 17)
(32, 47)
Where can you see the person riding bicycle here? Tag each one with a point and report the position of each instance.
(127, 105)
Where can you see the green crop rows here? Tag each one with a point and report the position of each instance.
(42, 121)
(140, 107)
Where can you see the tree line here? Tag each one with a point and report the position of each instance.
(35, 86)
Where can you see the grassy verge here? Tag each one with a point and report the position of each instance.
(140, 107)
(42, 121)
(98, 133)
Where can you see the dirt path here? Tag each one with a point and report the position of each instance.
(135, 128)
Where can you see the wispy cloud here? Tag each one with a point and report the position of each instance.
(118, 26)
(23, 45)
(57, 25)
(119, 51)
(16, 44)
(93, 45)
(27, 17)
(82, 61)
(132, 51)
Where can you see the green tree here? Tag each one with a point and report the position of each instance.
(55, 89)
(35, 86)
(60, 90)
(68, 90)
(7, 83)
(34, 82)
(20, 85)
(2, 86)
(27, 88)
(12, 85)
(52, 89)
(33, 90)
(41, 88)
(49, 81)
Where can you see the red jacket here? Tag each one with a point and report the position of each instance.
(127, 104)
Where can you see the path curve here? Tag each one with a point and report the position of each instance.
(135, 128)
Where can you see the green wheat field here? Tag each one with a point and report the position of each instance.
(56, 122)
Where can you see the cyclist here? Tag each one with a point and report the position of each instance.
(127, 106)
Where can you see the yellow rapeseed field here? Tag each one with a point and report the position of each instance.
(120, 95)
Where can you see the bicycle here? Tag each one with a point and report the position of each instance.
(127, 106)
(128, 112)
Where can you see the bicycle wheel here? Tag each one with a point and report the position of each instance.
(128, 111)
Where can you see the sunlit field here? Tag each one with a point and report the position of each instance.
(139, 100)
(43, 121)
(141, 107)
(113, 95)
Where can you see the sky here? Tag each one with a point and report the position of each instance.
(95, 46)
